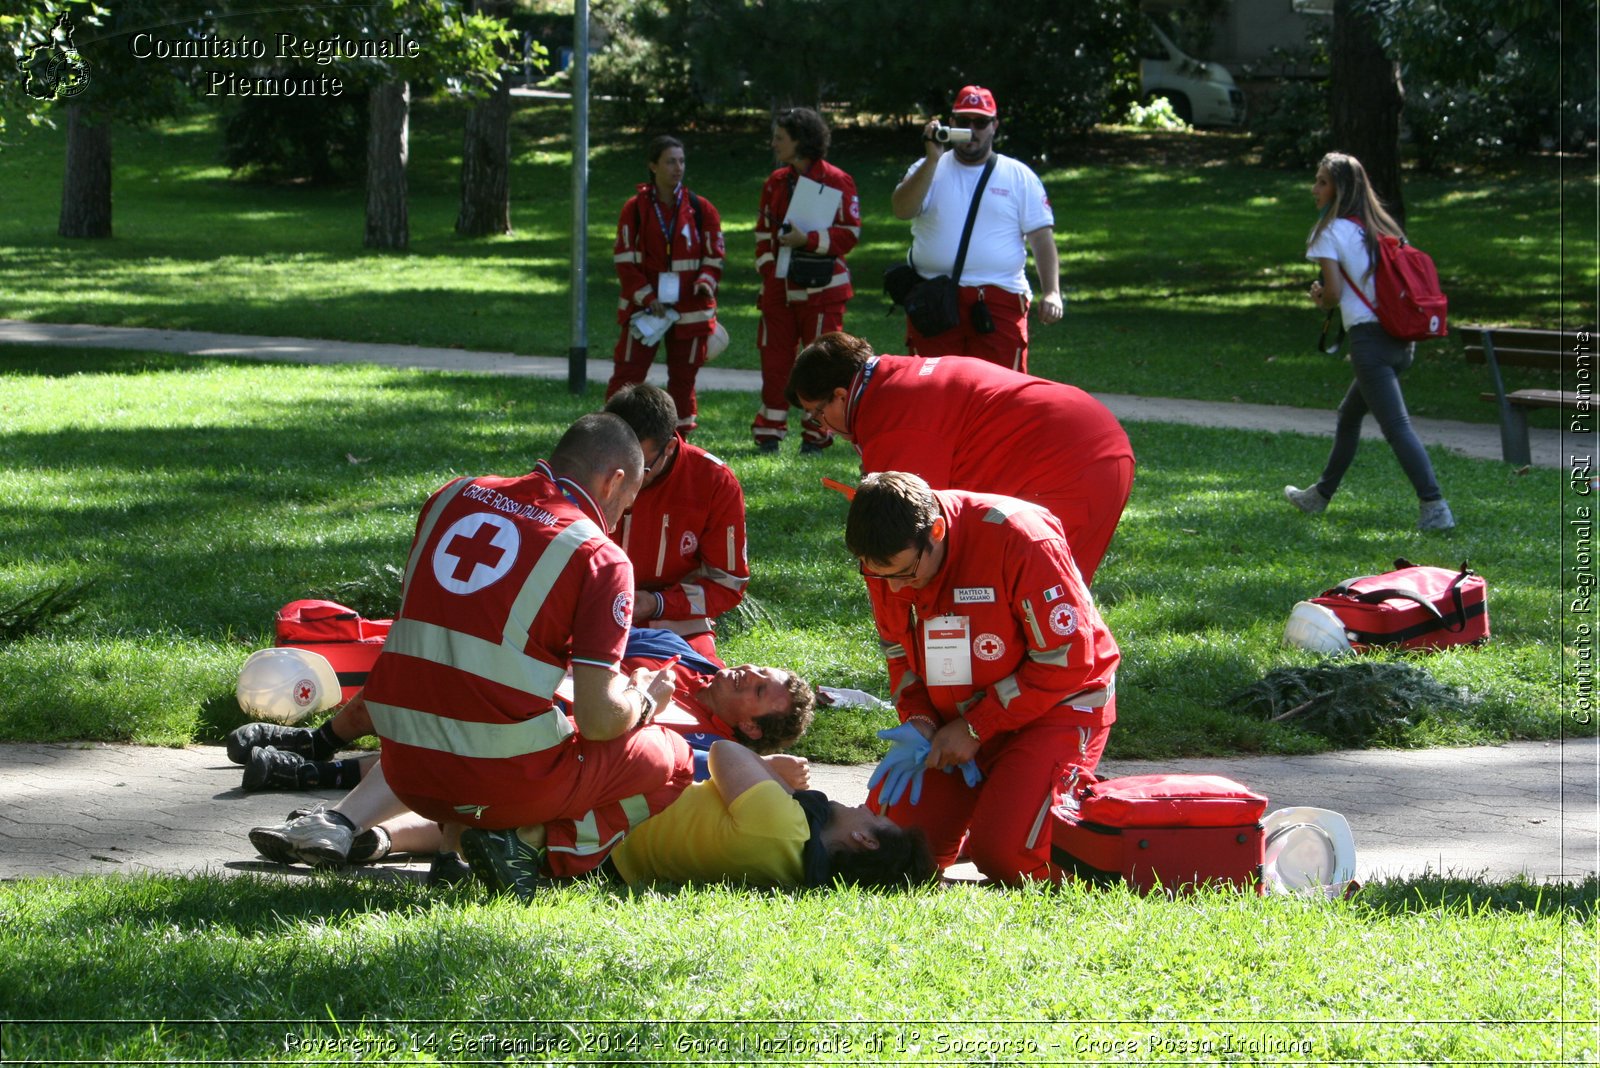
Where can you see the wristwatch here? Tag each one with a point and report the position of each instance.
(971, 730)
(647, 704)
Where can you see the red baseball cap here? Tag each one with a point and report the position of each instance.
(974, 100)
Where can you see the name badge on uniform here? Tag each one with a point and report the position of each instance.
(974, 595)
(947, 650)
(667, 287)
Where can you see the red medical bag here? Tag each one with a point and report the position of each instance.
(1412, 608)
(1175, 832)
(350, 642)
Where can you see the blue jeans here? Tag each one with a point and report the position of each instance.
(1378, 361)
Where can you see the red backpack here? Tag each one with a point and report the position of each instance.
(1411, 307)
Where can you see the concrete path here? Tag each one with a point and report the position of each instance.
(1529, 808)
(1477, 440)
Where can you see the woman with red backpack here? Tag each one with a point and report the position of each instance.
(1344, 243)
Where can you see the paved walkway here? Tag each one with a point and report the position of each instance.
(1477, 440)
(1523, 809)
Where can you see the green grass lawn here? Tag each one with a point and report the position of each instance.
(246, 970)
(200, 495)
(1183, 261)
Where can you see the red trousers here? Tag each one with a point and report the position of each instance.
(684, 357)
(1090, 509)
(1006, 817)
(785, 330)
(1006, 346)
(587, 794)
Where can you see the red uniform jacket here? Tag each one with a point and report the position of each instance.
(643, 253)
(1033, 640)
(510, 580)
(685, 536)
(973, 425)
(837, 240)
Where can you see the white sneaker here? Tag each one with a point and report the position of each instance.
(1436, 516)
(320, 837)
(1309, 500)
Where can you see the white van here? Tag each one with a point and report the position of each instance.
(1202, 94)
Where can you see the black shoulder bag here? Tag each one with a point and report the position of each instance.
(934, 304)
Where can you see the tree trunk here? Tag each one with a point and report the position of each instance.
(486, 167)
(389, 115)
(86, 186)
(1366, 101)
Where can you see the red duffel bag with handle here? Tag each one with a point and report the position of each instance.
(1174, 832)
(350, 642)
(1412, 607)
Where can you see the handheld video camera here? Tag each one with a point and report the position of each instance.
(952, 135)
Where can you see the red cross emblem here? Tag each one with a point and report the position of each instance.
(470, 552)
(475, 552)
(989, 647)
(304, 692)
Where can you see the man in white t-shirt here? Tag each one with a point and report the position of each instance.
(1014, 216)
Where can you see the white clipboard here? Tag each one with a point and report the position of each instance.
(813, 206)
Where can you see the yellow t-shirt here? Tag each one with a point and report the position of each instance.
(758, 839)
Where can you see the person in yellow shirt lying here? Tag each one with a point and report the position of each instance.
(744, 824)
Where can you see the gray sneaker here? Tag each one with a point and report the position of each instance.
(1309, 500)
(1436, 516)
(503, 861)
(320, 837)
(271, 843)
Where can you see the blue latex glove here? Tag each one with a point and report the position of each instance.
(903, 765)
(970, 772)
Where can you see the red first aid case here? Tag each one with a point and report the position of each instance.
(350, 643)
(1174, 832)
(1412, 607)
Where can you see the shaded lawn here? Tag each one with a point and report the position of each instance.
(200, 495)
(1183, 265)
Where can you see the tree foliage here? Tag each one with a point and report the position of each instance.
(1052, 66)
(1488, 77)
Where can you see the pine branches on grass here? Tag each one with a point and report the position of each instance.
(374, 593)
(37, 609)
(1349, 703)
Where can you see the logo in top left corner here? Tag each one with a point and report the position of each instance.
(476, 551)
(55, 71)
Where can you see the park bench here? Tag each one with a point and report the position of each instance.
(1553, 350)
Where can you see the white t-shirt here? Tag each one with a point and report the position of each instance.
(1014, 203)
(1344, 242)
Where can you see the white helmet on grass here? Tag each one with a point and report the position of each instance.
(286, 685)
(1316, 628)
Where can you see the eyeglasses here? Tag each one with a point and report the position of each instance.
(814, 412)
(972, 122)
(652, 464)
(898, 576)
